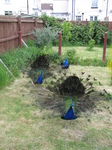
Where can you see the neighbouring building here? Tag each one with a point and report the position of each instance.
(93, 10)
(79, 10)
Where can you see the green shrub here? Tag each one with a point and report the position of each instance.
(66, 30)
(55, 58)
(51, 21)
(47, 50)
(44, 37)
(91, 29)
(91, 44)
(71, 56)
(79, 35)
(99, 31)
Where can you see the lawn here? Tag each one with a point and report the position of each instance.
(82, 52)
(27, 125)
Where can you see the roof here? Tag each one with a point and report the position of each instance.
(60, 13)
(46, 6)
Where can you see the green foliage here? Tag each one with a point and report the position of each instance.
(71, 56)
(91, 29)
(109, 37)
(47, 50)
(91, 44)
(79, 35)
(5, 76)
(55, 58)
(65, 43)
(109, 62)
(51, 21)
(45, 36)
(66, 30)
(92, 62)
(30, 43)
(99, 31)
(16, 60)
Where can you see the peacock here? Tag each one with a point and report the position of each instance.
(40, 79)
(65, 64)
(69, 114)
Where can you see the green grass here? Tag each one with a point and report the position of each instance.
(16, 60)
(83, 53)
(5, 76)
(82, 56)
(25, 125)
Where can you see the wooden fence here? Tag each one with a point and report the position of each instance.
(13, 29)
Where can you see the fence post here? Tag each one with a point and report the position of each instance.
(35, 25)
(59, 43)
(104, 47)
(19, 31)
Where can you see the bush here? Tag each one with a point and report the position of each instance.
(79, 35)
(66, 30)
(51, 21)
(55, 58)
(71, 56)
(91, 44)
(45, 36)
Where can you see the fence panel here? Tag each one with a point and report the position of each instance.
(12, 29)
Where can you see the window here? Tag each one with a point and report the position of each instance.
(8, 12)
(43, 13)
(7, 1)
(78, 18)
(36, 13)
(94, 4)
(93, 18)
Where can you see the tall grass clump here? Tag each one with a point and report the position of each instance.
(5, 77)
(16, 60)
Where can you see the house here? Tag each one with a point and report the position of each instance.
(15, 7)
(93, 10)
(79, 10)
